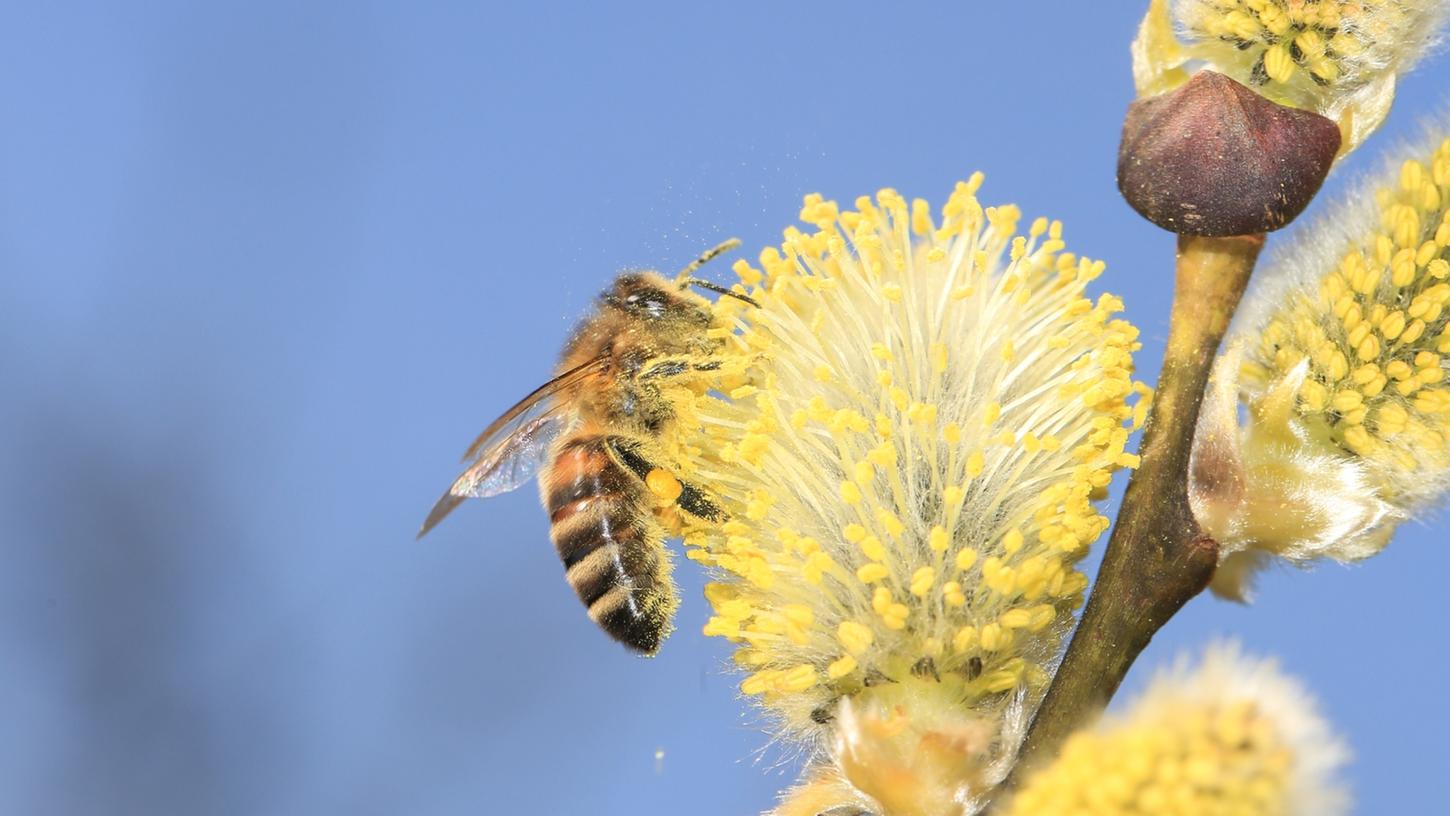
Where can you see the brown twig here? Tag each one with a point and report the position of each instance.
(1157, 558)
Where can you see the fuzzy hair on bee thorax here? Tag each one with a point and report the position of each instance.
(653, 333)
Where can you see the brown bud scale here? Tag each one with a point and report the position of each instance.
(1213, 158)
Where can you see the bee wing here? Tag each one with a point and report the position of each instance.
(510, 451)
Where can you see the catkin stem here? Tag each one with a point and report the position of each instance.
(1157, 558)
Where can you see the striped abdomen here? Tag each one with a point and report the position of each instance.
(611, 545)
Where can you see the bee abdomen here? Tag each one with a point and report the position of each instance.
(611, 547)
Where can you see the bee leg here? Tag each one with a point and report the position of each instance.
(690, 499)
(666, 367)
(693, 501)
(669, 518)
(662, 367)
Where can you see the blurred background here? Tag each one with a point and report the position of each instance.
(265, 270)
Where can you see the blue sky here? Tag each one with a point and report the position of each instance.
(266, 268)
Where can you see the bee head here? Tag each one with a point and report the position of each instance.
(647, 295)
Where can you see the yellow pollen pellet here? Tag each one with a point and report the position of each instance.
(841, 668)
(921, 581)
(663, 485)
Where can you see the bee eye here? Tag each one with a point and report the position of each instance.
(651, 303)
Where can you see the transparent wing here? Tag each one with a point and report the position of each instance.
(510, 451)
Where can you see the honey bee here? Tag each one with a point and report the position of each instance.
(592, 434)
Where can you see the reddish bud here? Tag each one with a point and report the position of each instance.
(1214, 158)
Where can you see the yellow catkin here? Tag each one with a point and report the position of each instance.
(1339, 58)
(1233, 736)
(1346, 363)
(901, 373)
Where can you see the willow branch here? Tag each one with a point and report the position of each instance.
(1157, 558)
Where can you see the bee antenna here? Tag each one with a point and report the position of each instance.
(684, 279)
(715, 287)
(705, 257)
